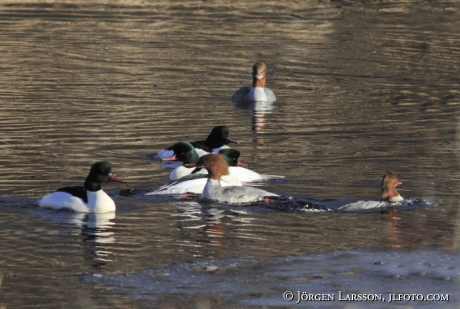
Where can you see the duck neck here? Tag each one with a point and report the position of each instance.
(92, 184)
(390, 194)
(258, 82)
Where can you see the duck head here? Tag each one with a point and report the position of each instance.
(100, 172)
(259, 74)
(231, 156)
(220, 135)
(389, 183)
(184, 152)
(214, 164)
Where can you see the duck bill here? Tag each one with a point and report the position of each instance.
(171, 158)
(230, 141)
(189, 164)
(115, 179)
(242, 164)
(196, 170)
(399, 183)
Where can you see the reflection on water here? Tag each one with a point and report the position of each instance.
(98, 230)
(362, 88)
(258, 110)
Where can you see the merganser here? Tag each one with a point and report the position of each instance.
(88, 198)
(389, 192)
(239, 169)
(258, 91)
(390, 196)
(194, 182)
(186, 153)
(218, 138)
(217, 167)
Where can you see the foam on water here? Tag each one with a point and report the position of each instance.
(256, 282)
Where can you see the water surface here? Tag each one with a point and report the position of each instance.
(362, 88)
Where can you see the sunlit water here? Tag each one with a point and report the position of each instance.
(362, 88)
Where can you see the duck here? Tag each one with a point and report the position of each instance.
(185, 152)
(258, 91)
(90, 197)
(217, 139)
(390, 196)
(389, 182)
(216, 166)
(193, 181)
(240, 169)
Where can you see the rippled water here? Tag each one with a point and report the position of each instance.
(362, 88)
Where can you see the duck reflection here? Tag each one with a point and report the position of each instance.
(393, 235)
(208, 225)
(97, 232)
(259, 122)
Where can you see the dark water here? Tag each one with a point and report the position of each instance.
(362, 88)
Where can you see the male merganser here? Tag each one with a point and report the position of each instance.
(258, 91)
(218, 138)
(87, 198)
(217, 167)
(239, 169)
(389, 192)
(186, 153)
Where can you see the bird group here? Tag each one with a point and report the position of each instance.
(208, 167)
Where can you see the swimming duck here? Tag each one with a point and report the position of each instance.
(185, 152)
(389, 192)
(390, 196)
(217, 167)
(218, 138)
(258, 91)
(193, 181)
(88, 198)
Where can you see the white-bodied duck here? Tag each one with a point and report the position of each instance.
(258, 91)
(87, 198)
(219, 137)
(185, 153)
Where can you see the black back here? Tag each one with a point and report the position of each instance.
(98, 173)
(77, 191)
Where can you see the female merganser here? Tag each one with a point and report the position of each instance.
(217, 167)
(194, 182)
(218, 137)
(390, 196)
(87, 198)
(389, 192)
(258, 92)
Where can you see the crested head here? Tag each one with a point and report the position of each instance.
(231, 157)
(103, 168)
(220, 131)
(214, 164)
(389, 183)
(259, 73)
(100, 172)
(219, 136)
(184, 152)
